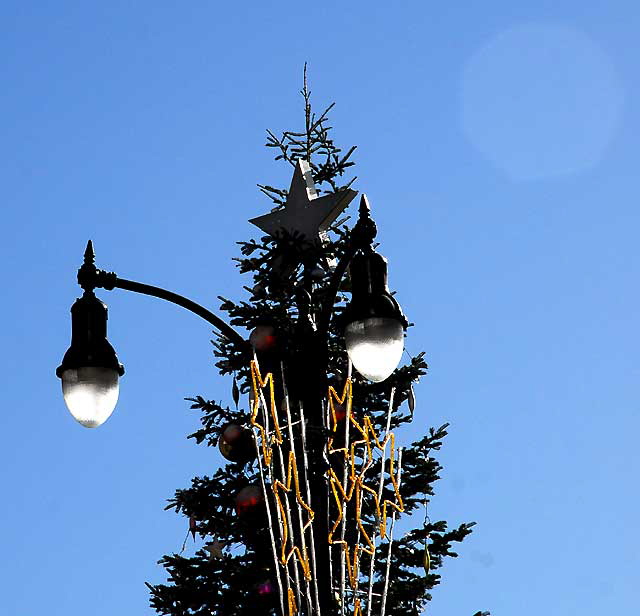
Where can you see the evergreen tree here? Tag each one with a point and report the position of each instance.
(236, 572)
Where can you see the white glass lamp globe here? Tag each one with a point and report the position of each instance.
(90, 394)
(375, 346)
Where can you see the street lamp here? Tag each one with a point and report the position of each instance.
(375, 325)
(373, 322)
(90, 368)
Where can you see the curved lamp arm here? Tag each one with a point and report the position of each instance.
(90, 277)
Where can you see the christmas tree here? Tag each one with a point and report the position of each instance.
(302, 517)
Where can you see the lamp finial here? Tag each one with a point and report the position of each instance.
(89, 255)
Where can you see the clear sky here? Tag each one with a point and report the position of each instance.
(498, 147)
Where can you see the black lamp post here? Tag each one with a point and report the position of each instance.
(374, 332)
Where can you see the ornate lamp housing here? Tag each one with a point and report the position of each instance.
(375, 324)
(90, 368)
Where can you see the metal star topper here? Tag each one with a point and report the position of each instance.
(304, 211)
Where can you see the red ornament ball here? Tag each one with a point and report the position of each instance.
(236, 443)
(263, 338)
(249, 500)
(340, 412)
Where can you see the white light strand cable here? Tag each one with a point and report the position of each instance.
(343, 504)
(303, 542)
(393, 523)
(303, 425)
(344, 487)
(366, 464)
(287, 521)
(363, 469)
(327, 428)
(273, 541)
(383, 460)
(276, 556)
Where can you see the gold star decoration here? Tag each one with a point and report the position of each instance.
(302, 555)
(352, 557)
(257, 384)
(356, 483)
(369, 436)
(305, 212)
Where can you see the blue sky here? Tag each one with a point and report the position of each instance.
(497, 143)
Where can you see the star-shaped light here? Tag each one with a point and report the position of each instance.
(356, 486)
(292, 478)
(215, 549)
(257, 384)
(304, 212)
